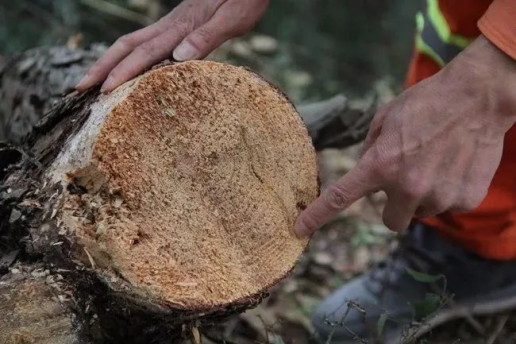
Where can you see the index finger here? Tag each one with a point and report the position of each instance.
(352, 186)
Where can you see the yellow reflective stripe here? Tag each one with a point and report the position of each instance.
(422, 46)
(443, 29)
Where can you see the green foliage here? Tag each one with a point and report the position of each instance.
(426, 307)
(432, 302)
(278, 340)
(381, 324)
(422, 277)
(342, 44)
(367, 234)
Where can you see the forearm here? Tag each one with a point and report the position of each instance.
(483, 70)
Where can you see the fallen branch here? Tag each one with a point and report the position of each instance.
(499, 328)
(118, 11)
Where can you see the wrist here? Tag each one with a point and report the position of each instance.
(486, 74)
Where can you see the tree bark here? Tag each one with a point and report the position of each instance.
(32, 82)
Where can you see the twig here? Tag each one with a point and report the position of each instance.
(90, 258)
(499, 327)
(356, 338)
(475, 324)
(216, 340)
(265, 327)
(118, 11)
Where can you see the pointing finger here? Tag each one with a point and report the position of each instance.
(354, 185)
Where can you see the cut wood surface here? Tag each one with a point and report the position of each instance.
(170, 201)
(187, 183)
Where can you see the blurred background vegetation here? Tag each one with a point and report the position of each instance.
(311, 48)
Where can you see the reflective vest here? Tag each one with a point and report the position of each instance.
(434, 35)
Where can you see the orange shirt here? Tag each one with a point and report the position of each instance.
(490, 230)
(499, 25)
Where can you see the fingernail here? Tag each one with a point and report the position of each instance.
(107, 85)
(300, 229)
(84, 82)
(186, 51)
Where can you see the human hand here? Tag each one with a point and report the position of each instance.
(191, 31)
(434, 148)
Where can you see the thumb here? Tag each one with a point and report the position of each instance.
(232, 19)
(352, 186)
(201, 42)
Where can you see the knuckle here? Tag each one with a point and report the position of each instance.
(394, 223)
(388, 222)
(336, 198)
(241, 30)
(148, 49)
(414, 186)
(202, 36)
(126, 40)
(385, 161)
(471, 202)
(439, 204)
(114, 74)
(182, 26)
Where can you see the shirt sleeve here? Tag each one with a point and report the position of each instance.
(499, 25)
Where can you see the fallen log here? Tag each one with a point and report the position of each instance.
(167, 203)
(32, 82)
(34, 309)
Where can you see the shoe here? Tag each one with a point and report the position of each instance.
(425, 282)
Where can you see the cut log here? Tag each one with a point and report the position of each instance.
(33, 310)
(171, 200)
(186, 182)
(166, 204)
